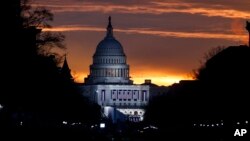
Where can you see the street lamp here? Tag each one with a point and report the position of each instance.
(1, 107)
(102, 125)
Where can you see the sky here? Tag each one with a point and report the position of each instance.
(164, 40)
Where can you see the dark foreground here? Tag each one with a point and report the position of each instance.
(203, 131)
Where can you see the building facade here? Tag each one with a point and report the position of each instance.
(109, 84)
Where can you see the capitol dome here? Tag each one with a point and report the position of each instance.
(109, 62)
(109, 46)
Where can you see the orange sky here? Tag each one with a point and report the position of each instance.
(164, 40)
(156, 78)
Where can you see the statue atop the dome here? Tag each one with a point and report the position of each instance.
(110, 21)
(109, 29)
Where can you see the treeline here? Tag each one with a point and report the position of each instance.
(218, 95)
(36, 92)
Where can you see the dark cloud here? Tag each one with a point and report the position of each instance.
(242, 5)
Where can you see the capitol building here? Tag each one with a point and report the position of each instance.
(109, 84)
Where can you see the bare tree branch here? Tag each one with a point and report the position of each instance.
(40, 18)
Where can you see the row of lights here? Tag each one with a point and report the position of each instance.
(102, 125)
(216, 124)
(73, 123)
(148, 127)
(240, 123)
(208, 125)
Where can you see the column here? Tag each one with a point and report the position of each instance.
(128, 72)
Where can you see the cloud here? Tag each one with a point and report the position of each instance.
(153, 7)
(150, 31)
(73, 28)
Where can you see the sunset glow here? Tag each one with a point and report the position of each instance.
(161, 80)
(158, 79)
(164, 40)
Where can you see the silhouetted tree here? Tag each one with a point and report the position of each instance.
(36, 93)
(219, 93)
(40, 17)
(212, 52)
(224, 78)
(47, 41)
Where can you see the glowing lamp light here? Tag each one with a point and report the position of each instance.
(1, 107)
(141, 118)
(102, 125)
